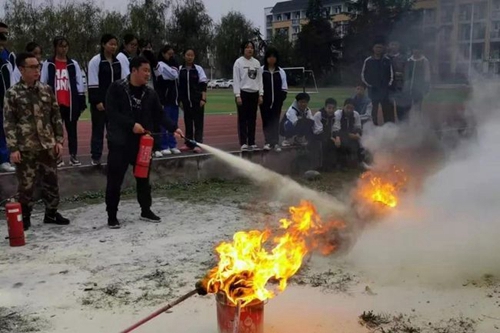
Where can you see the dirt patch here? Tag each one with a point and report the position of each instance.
(12, 321)
(401, 323)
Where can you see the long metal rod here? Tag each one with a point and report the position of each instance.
(160, 311)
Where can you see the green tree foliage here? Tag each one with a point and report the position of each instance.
(232, 30)
(316, 41)
(191, 26)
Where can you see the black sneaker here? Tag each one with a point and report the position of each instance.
(113, 223)
(149, 216)
(55, 219)
(26, 222)
(74, 161)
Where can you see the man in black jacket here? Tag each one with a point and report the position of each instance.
(132, 109)
(378, 75)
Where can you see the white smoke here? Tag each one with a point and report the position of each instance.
(449, 230)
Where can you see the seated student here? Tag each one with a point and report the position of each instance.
(326, 115)
(299, 122)
(362, 103)
(346, 133)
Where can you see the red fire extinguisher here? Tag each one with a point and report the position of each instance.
(144, 156)
(15, 223)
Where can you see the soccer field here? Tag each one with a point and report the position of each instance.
(221, 101)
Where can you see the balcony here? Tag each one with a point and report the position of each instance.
(296, 22)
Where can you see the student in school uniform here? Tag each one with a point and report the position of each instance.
(128, 50)
(104, 69)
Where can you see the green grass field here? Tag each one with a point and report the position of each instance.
(221, 101)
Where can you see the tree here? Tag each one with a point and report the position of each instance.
(147, 20)
(374, 19)
(316, 42)
(232, 30)
(190, 26)
(285, 48)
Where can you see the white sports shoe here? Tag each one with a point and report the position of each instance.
(175, 151)
(244, 147)
(267, 147)
(285, 143)
(166, 152)
(157, 154)
(7, 167)
(277, 148)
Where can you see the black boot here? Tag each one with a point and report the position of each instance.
(113, 222)
(149, 216)
(26, 217)
(53, 217)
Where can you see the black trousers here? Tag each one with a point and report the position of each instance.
(119, 158)
(271, 122)
(71, 129)
(99, 122)
(194, 118)
(247, 117)
(387, 110)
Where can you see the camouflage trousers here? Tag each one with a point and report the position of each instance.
(38, 167)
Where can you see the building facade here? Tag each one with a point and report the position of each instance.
(461, 37)
(287, 17)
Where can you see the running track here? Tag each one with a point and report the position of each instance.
(221, 131)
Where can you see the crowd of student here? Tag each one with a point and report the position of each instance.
(395, 84)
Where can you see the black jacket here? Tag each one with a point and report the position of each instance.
(378, 75)
(77, 89)
(167, 90)
(121, 117)
(328, 122)
(275, 86)
(4, 80)
(101, 74)
(192, 83)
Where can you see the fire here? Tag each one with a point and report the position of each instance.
(383, 188)
(255, 258)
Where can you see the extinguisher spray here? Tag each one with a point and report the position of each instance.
(15, 223)
(144, 156)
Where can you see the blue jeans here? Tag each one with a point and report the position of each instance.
(168, 140)
(4, 152)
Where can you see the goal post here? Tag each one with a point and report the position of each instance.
(301, 79)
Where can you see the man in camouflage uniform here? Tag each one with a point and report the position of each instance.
(34, 133)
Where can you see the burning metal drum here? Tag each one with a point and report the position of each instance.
(251, 316)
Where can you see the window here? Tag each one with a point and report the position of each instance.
(465, 12)
(269, 19)
(495, 29)
(446, 34)
(479, 31)
(447, 14)
(495, 5)
(463, 52)
(429, 16)
(278, 17)
(338, 9)
(296, 30)
(480, 10)
(464, 32)
(477, 51)
(495, 50)
(269, 33)
(288, 16)
(296, 15)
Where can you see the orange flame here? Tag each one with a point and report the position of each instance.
(246, 267)
(382, 188)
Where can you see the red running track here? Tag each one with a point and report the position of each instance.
(220, 132)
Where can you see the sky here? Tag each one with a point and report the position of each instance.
(252, 9)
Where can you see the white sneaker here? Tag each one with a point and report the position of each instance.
(285, 143)
(157, 154)
(277, 148)
(253, 147)
(7, 167)
(244, 147)
(166, 152)
(175, 151)
(60, 164)
(267, 147)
